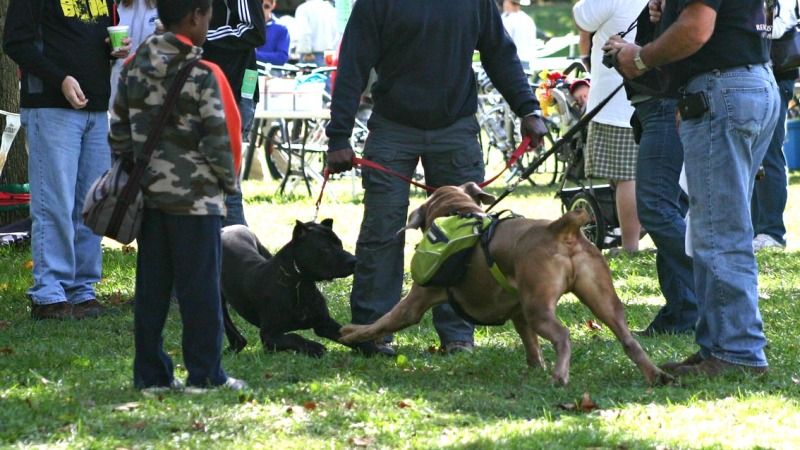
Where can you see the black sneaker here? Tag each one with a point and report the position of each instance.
(52, 311)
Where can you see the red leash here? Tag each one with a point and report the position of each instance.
(523, 147)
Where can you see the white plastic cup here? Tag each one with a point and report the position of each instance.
(116, 35)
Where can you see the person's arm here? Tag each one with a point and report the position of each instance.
(278, 53)
(23, 20)
(500, 60)
(585, 48)
(221, 143)
(685, 37)
(244, 29)
(358, 54)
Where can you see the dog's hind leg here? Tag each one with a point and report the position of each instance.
(236, 341)
(606, 306)
(538, 301)
(405, 313)
(530, 341)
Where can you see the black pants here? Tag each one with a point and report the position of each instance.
(180, 253)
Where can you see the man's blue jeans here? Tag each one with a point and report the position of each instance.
(68, 151)
(450, 156)
(662, 210)
(722, 153)
(770, 193)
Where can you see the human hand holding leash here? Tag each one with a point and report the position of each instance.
(341, 160)
(624, 54)
(533, 127)
(655, 7)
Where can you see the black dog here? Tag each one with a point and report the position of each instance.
(278, 293)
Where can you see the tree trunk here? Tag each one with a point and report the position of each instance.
(16, 166)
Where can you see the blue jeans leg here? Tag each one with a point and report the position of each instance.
(723, 150)
(770, 193)
(378, 279)
(169, 255)
(661, 212)
(68, 152)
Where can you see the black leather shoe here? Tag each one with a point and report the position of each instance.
(370, 349)
(52, 311)
(88, 309)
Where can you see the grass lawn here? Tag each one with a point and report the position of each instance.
(68, 384)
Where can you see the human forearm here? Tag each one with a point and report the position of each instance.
(684, 38)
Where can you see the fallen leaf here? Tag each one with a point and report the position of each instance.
(405, 404)
(127, 249)
(433, 349)
(6, 351)
(198, 426)
(4, 325)
(586, 404)
(130, 406)
(593, 325)
(362, 441)
(268, 375)
(29, 264)
(349, 405)
(310, 406)
(116, 299)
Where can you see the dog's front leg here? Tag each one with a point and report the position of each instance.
(405, 313)
(277, 342)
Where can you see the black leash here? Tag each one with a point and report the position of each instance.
(567, 138)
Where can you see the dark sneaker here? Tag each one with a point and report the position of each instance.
(713, 367)
(370, 349)
(52, 311)
(88, 309)
(653, 332)
(693, 360)
(458, 347)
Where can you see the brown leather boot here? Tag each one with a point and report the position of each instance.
(88, 309)
(692, 360)
(713, 367)
(51, 311)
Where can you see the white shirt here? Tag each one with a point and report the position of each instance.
(606, 18)
(293, 28)
(522, 30)
(319, 31)
(786, 18)
(141, 21)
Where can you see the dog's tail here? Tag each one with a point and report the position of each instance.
(570, 223)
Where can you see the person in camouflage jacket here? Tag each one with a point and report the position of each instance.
(192, 164)
(188, 171)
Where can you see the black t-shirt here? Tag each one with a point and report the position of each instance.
(739, 38)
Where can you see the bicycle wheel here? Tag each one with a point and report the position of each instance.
(547, 171)
(277, 160)
(595, 231)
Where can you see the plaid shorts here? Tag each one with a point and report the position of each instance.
(610, 152)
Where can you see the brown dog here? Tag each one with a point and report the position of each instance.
(543, 260)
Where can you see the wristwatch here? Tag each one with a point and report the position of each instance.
(637, 61)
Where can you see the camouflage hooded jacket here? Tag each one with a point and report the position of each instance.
(193, 162)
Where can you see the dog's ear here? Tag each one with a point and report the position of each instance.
(300, 230)
(416, 219)
(327, 223)
(479, 195)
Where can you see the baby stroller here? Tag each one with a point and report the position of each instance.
(576, 191)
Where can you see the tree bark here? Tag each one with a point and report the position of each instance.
(16, 167)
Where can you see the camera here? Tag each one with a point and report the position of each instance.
(610, 59)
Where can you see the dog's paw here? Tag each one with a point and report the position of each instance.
(313, 349)
(661, 378)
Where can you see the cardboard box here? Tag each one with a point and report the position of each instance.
(277, 94)
(309, 96)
